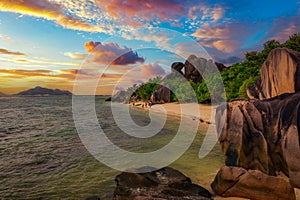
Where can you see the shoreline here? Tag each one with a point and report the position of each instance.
(207, 112)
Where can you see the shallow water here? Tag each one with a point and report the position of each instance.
(42, 156)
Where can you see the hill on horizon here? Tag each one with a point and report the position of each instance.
(3, 94)
(40, 91)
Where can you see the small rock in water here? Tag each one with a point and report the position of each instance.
(165, 183)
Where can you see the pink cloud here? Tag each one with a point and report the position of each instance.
(152, 69)
(112, 53)
(147, 10)
(222, 37)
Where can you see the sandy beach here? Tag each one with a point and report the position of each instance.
(205, 115)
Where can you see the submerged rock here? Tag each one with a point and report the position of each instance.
(165, 183)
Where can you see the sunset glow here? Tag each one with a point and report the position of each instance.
(45, 42)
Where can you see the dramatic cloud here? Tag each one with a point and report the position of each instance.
(112, 53)
(47, 10)
(7, 52)
(152, 69)
(226, 38)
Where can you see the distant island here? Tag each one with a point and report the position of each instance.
(40, 91)
(3, 95)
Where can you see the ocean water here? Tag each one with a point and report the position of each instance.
(42, 157)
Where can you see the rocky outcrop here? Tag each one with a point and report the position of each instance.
(251, 184)
(165, 183)
(262, 135)
(260, 138)
(279, 74)
(202, 66)
(161, 95)
(192, 70)
(177, 67)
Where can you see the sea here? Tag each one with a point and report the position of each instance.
(43, 157)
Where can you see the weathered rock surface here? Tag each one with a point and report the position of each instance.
(252, 184)
(177, 66)
(279, 74)
(260, 137)
(162, 184)
(161, 95)
(195, 68)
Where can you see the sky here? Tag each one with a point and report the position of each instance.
(114, 43)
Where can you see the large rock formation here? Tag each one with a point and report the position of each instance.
(279, 74)
(161, 95)
(165, 183)
(251, 184)
(187, 71)
(262, 136)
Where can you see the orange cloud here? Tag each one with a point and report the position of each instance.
(207, 32)
(220, 37)
(227, 46)
(7, 52)
(76, 56)
(5, 38)
(47, 10)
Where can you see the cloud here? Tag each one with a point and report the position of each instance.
(229, 60)
(205, 12)
(284, 27)
(112, 53)
(5, 38)
(152, 69)
(47, 10)
(21, 73)
(43, 62)
(226, 38)
(7, 52)
(217, 32)
(76, 56)
(133, 11)
(227, 46)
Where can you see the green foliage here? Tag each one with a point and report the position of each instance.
(145, 90)
(243, 89)
(242, 75)
(181, 90)
(235, 78)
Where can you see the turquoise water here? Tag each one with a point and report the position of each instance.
(42, 156)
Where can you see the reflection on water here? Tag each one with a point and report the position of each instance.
(42, 156)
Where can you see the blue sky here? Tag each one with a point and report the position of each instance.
(47, 42)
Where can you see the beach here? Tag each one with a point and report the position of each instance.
(206, 111)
